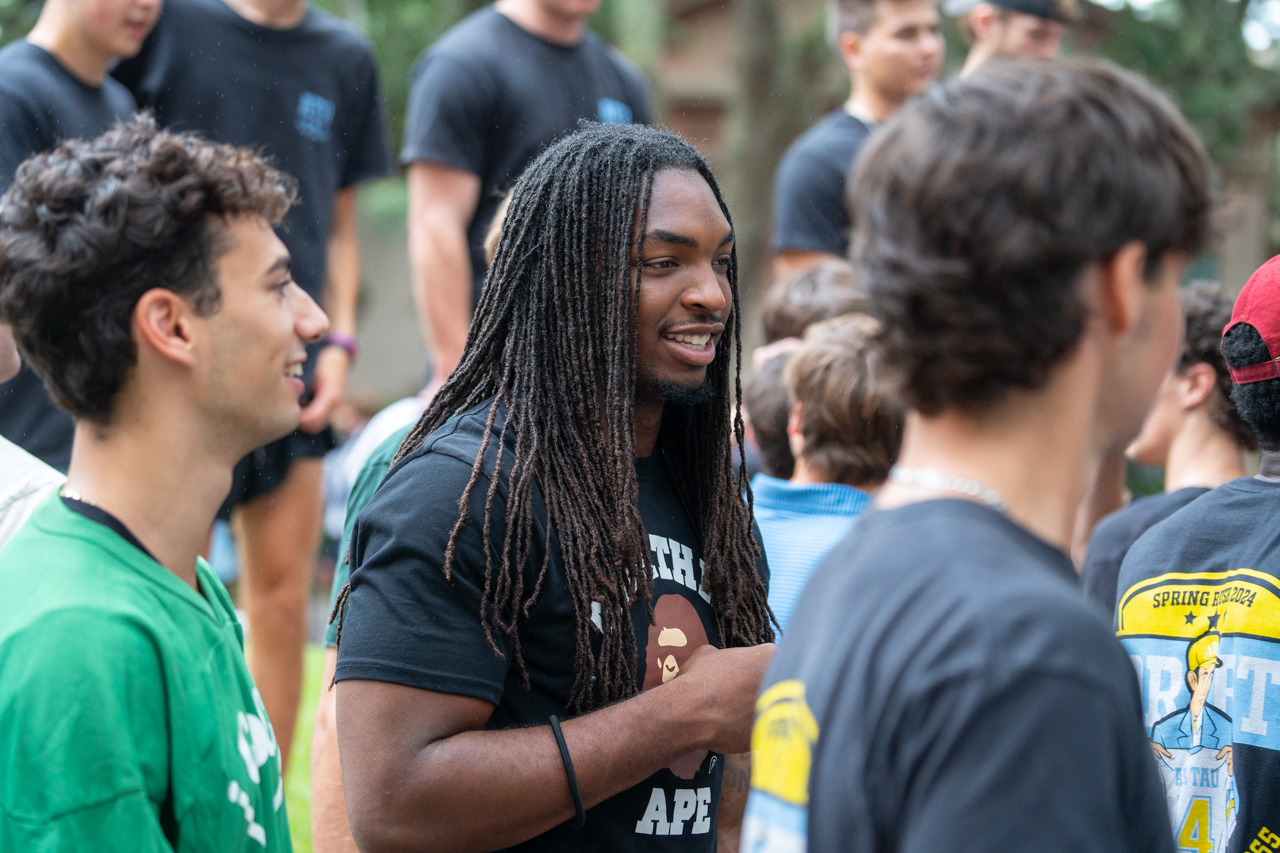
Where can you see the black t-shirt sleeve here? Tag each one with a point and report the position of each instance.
(1048, 764)
(21, 135)
(364, 132)
(452, 105)
(808, 205)
(406, 623)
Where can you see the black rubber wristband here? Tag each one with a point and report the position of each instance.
(581, 820)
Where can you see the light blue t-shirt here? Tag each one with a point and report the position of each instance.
(800, 524)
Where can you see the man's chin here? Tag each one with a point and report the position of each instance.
(686, 396)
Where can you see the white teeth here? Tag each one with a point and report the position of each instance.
(695, 341)
(294, 370)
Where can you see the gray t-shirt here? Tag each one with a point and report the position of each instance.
(945, 686)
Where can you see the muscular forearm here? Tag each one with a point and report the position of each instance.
(330, 832)
(442, 289)
(733, 801)
(485, 790)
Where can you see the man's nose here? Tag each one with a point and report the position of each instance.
(706, 294)
(310, 322)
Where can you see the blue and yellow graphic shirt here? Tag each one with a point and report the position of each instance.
(1199, 615)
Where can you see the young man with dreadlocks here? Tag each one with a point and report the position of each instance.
(557, 600)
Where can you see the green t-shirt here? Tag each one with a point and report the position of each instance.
(367, 482)
(128, 719)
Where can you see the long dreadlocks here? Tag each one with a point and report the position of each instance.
(554, 343)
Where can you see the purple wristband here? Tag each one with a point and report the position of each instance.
(346, 342)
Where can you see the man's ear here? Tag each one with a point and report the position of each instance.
(984, 19)
(163, 323)
(850, 43)
(1196, 383)
(1120, 283)
(796, 418)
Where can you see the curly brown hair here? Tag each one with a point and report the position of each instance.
(979, 206)
(795, 302)
(1207, 306)
(87, 228)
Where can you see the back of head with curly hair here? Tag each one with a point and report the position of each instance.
(978, 207)
(87, 228)
(1207, 307)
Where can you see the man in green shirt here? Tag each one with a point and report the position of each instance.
(148, 290)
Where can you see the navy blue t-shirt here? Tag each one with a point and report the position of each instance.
(489, 96)
(41, 104)
(308, 96)
(809, 212)
(1115, 535)
(944, 686)
(407, 624)
(1199, 614)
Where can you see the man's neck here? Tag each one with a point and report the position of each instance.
(1035, 450)
(159, 479)
(86, 61)
(648, 425)
(532, 17)
(276, 14)
(1269, 465)
(866, 100)
(1202, 455)
(979, 55)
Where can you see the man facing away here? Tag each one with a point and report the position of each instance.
(1027, 29)
(486, 99)
(1193, 431)
(893, 50)
(943, 682)
(288, 78)
(175, 335)
(603, 571)
(54, 86)
(1197, 612)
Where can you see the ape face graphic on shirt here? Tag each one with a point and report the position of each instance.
(676, 632)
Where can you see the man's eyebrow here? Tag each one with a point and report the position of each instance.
(660, 236)
(284, 262)
(728, 238)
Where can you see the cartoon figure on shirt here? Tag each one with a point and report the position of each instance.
(676, 632)
(1193, 748)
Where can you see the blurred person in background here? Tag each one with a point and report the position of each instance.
(290, 79)
(54, 86)
(487, 98)
(1027, 29)
(790, 305)
(893, 50)
(1022, 233)
(25, 481)
(1198, 611)
(364, 466)
(845, 431)
(1193, 431)
(176, 337)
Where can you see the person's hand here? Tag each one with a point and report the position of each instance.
(1160, 750)
(330, 384)
(726, 682)
(1226, 750)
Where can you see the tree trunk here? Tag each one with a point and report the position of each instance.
(1242, 216)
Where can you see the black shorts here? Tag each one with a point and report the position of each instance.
(264, 469)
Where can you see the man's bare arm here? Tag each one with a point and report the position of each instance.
(733, 801)
(339, 297)
(330, 832)
(421, 773)
(442, 201)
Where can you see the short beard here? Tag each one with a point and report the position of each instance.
(685, 397)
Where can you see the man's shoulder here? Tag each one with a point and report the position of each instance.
(24, 74)
(22, 474)
(337, 35)
(474, 41)
(832, 143)
(1225, 519)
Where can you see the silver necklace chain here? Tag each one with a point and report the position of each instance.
(930, 478)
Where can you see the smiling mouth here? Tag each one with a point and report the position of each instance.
(294, 370)
(691, 341)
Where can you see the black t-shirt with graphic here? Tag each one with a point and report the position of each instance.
(809, 208)
(1199, 613)
(951, 689)
(489, 96)
(1115, 535)
(407, 624)
(41, 104)
(308, 96)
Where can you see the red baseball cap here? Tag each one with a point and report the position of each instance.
(1259, 305)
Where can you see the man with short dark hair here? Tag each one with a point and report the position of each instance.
(1022, 233)
(286, 77)
(487, 98)
(176, 337)
(893, 50)
(1027, 29)
(1193, 431)
(1199, 614)
(54, 86)
(557, 602)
